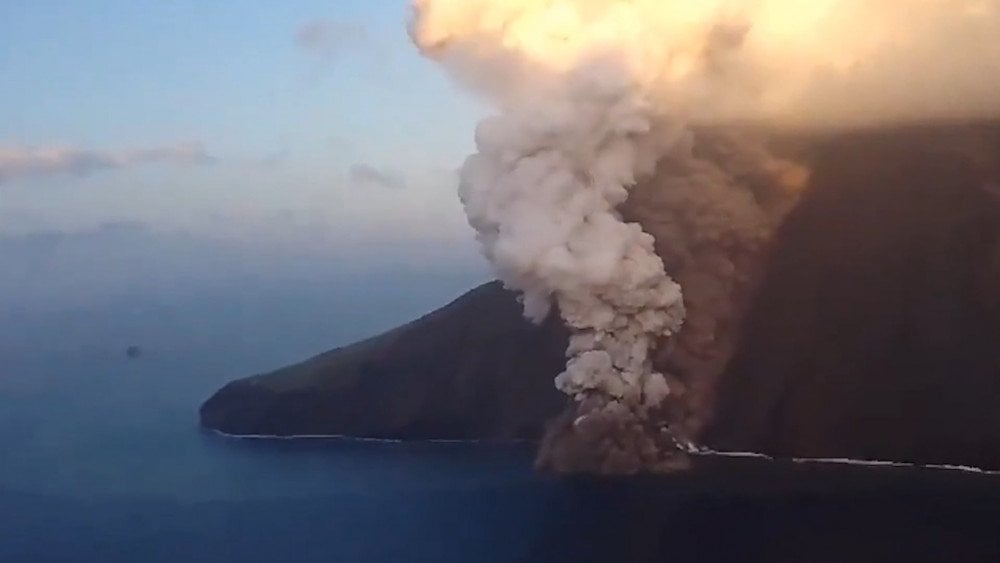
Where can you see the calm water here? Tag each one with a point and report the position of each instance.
(103, 461)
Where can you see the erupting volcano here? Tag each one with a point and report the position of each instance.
(639, 180)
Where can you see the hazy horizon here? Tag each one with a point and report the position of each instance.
(269, 125)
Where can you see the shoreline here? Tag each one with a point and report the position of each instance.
(346, 438)
(692, 450)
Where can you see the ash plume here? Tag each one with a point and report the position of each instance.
(619, 181)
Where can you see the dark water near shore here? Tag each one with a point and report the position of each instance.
(103, 461)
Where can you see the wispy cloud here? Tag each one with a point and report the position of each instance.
(328, 38)
(25, 162)
(274, 159)
(368, 175)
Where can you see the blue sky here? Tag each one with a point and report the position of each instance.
(296, 121)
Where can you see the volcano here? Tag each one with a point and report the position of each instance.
(872, 333)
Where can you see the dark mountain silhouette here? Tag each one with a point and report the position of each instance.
(875, 332)
(474, 369)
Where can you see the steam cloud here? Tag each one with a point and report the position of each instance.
(611, 111)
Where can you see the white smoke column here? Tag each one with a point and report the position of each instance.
(542, 193)
(579, 125)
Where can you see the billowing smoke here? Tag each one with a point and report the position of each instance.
(822, 62)
(614, 160)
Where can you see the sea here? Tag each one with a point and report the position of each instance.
(103, 461)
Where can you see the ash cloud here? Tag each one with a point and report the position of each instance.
(830, 63)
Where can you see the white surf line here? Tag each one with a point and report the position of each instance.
(346, 438)
(688, 448)
(706, 452)
(303, 437)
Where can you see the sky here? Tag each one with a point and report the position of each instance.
(298, 123)
(169, 151)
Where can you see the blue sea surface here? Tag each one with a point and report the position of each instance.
(103, 459)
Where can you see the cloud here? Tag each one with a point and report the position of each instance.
(274, 159)
(329, 38)
(367, 175)
(27, 162)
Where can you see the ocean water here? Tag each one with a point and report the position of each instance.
(102, 460)
(114, 468)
